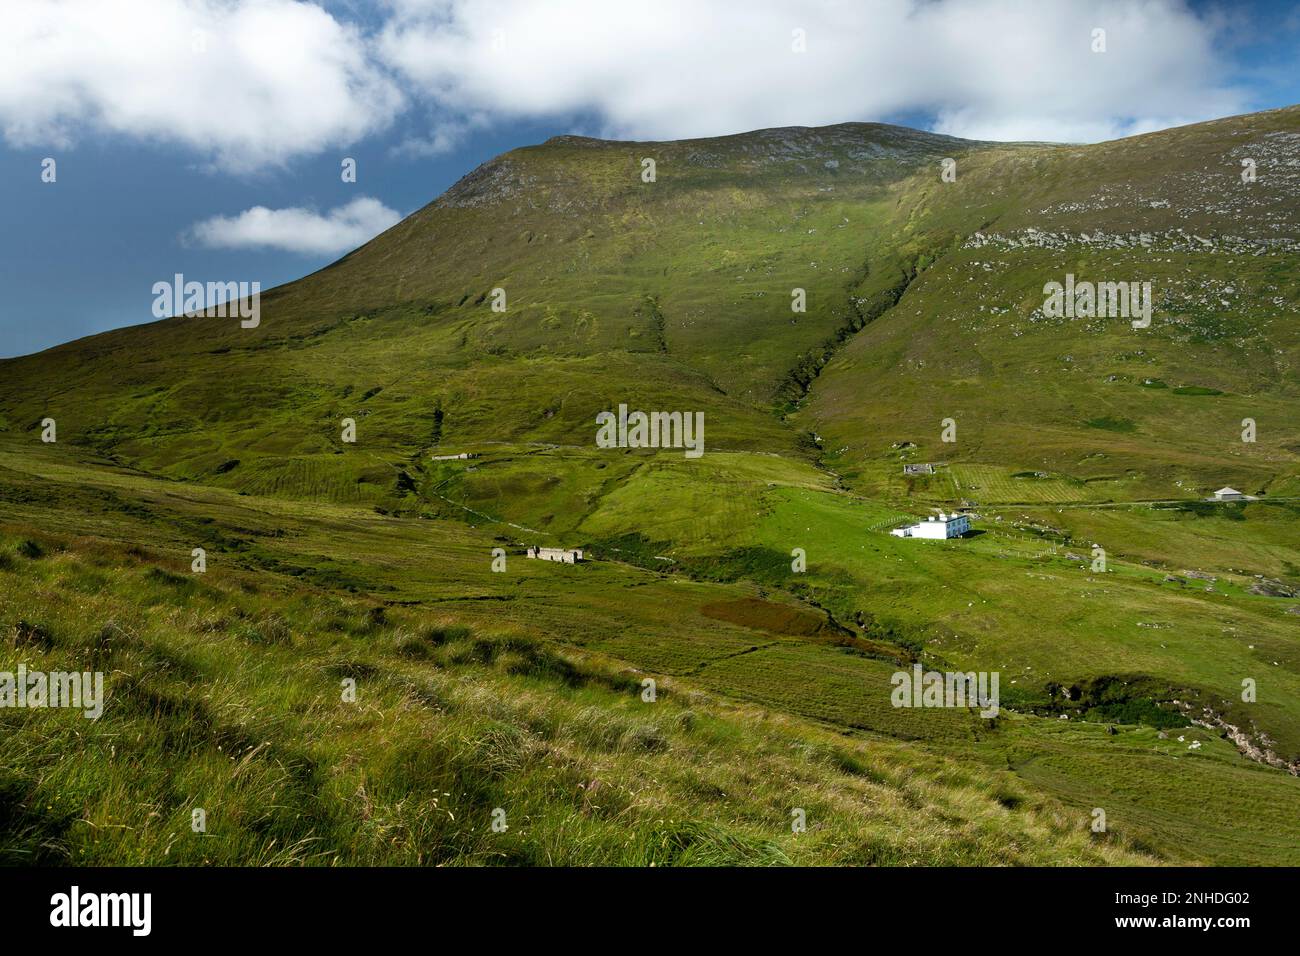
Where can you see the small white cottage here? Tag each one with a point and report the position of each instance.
(936, 526)
(1229, 494)
(563, 555)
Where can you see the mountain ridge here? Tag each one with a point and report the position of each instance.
(690, 275)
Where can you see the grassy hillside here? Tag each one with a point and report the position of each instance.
(674, 294)
(225, 694)
(455, 660)
(1120, 413)
(519, 688)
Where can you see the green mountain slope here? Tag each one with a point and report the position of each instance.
(674, 294)
(1135, 413)
(1122, 681)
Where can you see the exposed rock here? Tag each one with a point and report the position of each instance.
(1271, 587)
(1256, 748)
(1175, 240)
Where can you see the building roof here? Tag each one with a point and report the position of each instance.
(1227, 491)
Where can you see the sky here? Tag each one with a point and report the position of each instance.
(209, 137)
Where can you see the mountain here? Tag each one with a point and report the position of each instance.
(1125, 613)
(676, 294)
(1130, 413)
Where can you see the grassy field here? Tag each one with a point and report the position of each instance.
(225, 694)
(298, 593)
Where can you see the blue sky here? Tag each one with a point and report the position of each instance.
(170, 120)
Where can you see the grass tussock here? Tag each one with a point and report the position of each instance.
(315, 729)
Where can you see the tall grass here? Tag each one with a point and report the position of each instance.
(227, 696)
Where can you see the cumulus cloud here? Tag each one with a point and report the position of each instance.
(296, 229)
(252, 83)
(248, 83)
(996, 69)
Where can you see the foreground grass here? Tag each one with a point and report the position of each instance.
(749, 641)
(227, 696)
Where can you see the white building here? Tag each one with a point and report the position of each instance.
(1230, 494)
(563, 555)
(936, 526)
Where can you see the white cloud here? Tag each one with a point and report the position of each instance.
(278, 79)
(998, 69)
(248, 83)
(297, 229)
